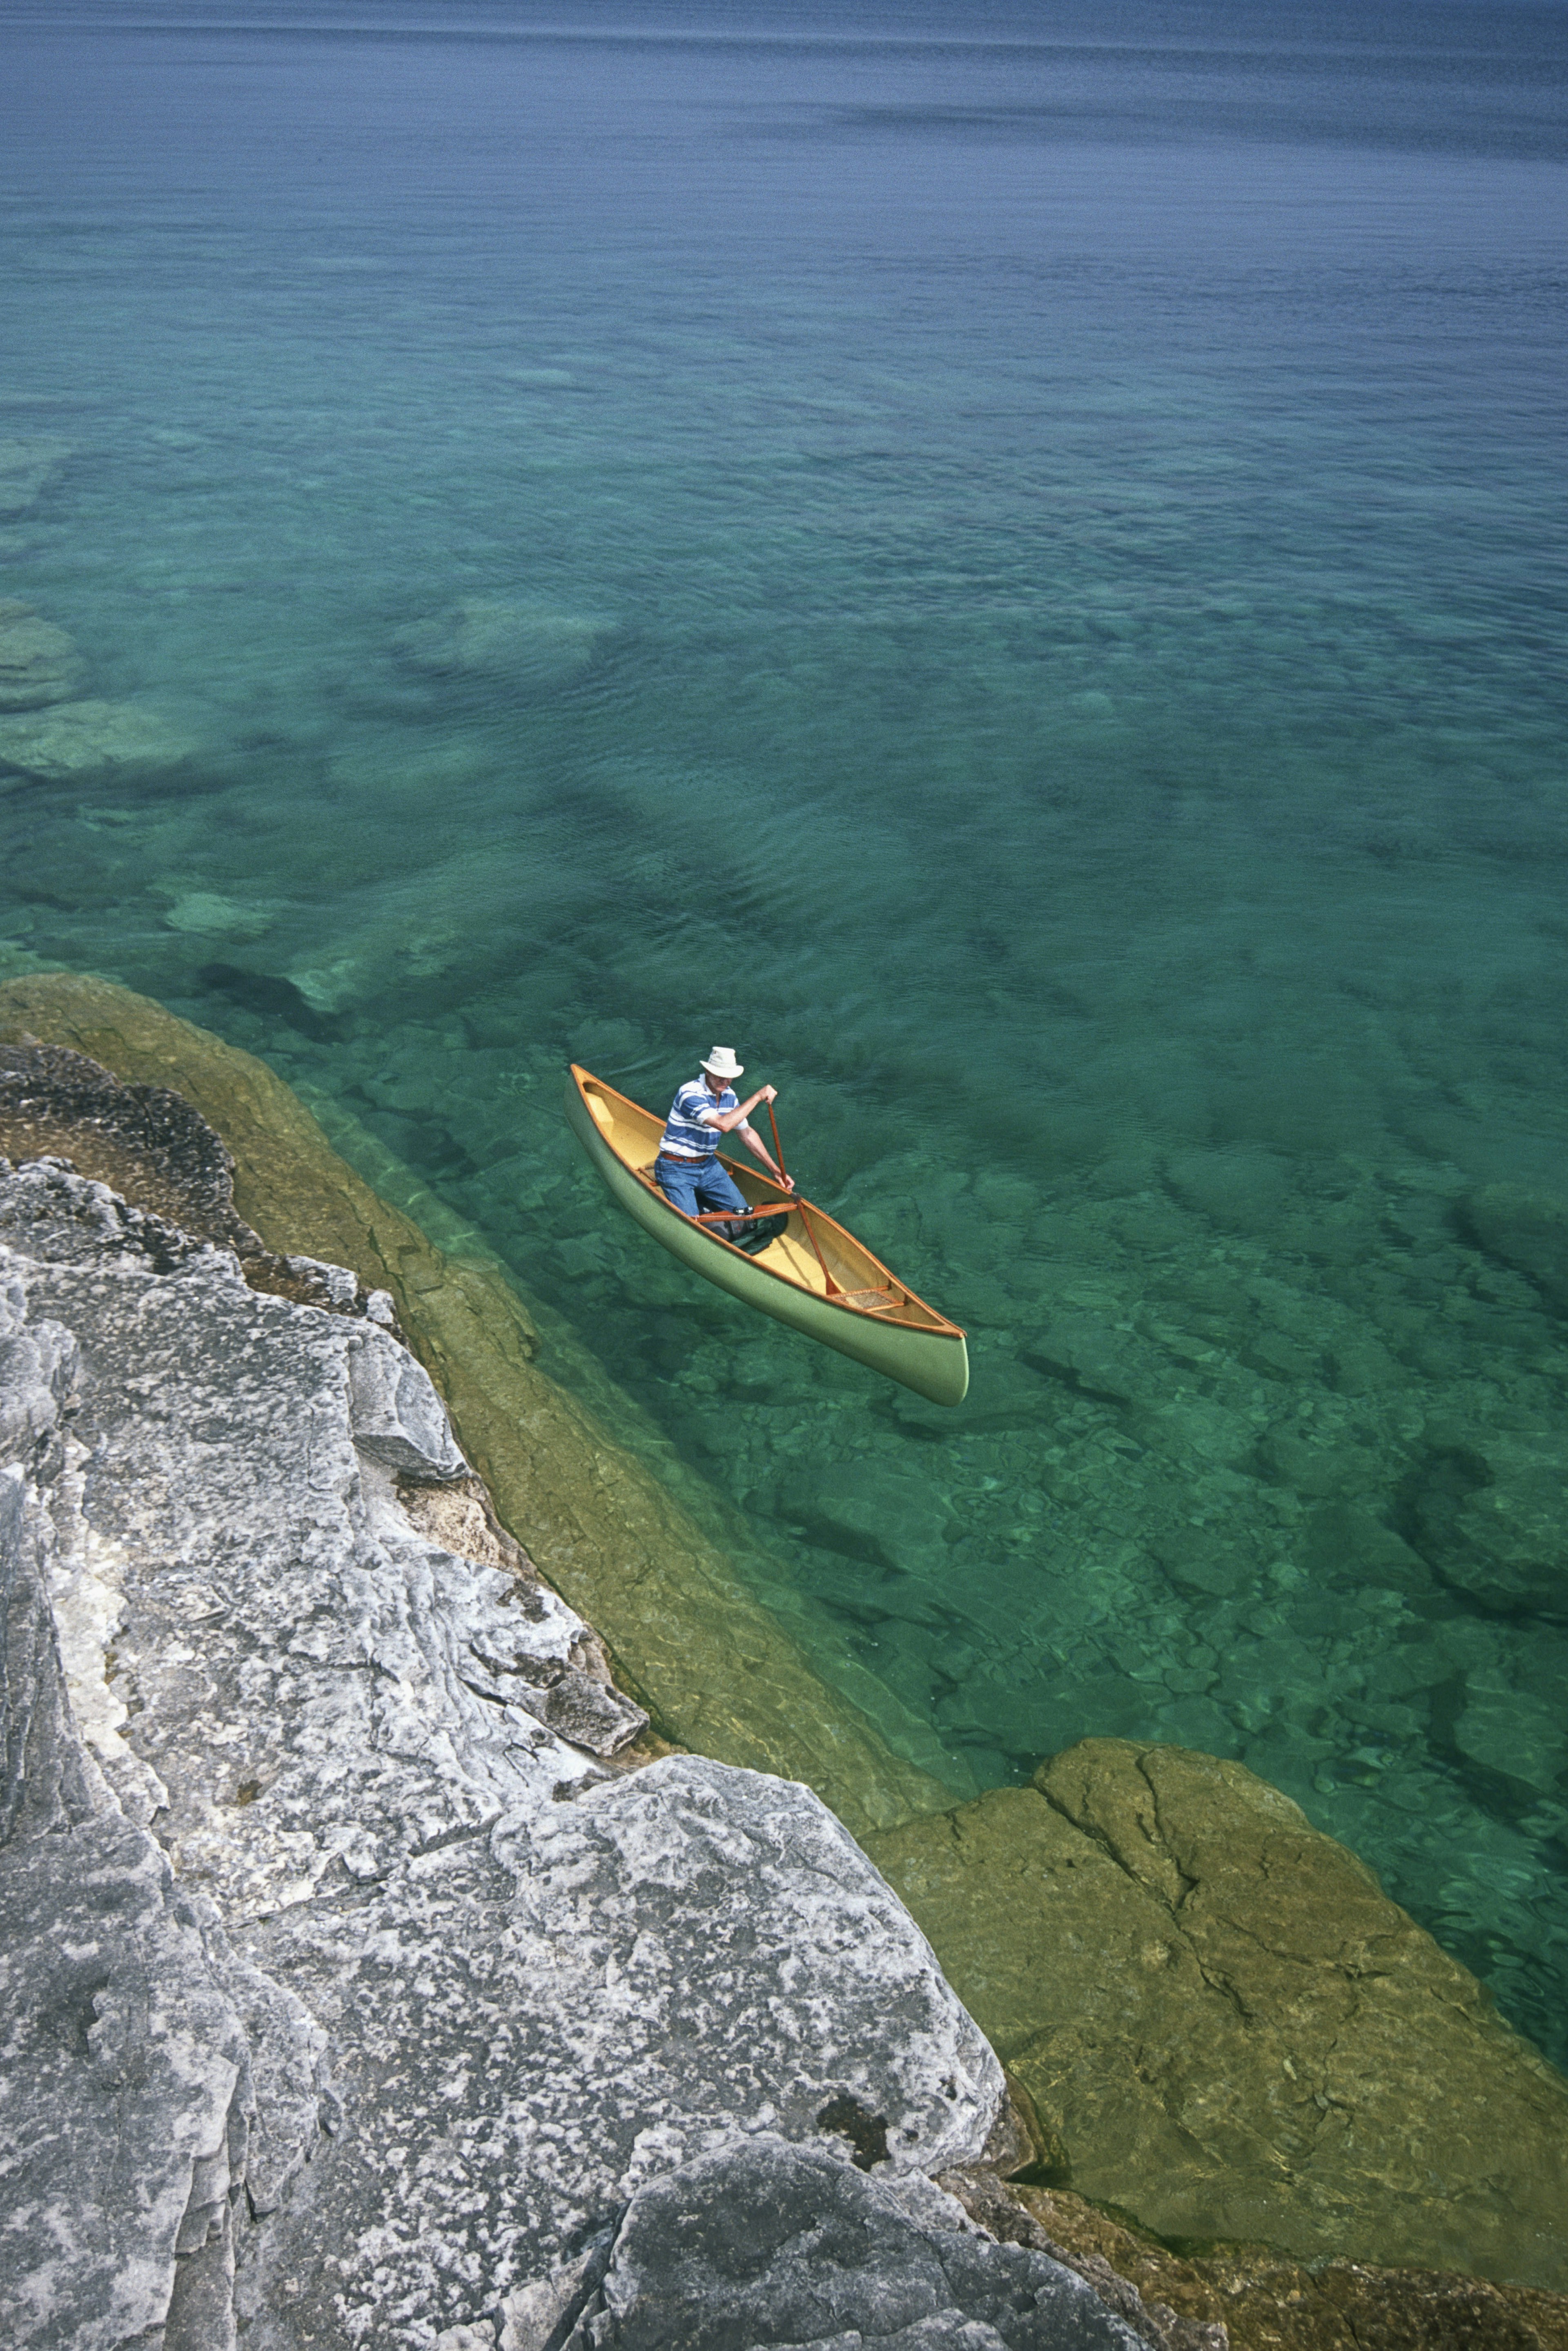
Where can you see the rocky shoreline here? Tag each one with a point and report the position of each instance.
(539, 1982)
(378, 1975)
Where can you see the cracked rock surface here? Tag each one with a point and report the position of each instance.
(345, 1996)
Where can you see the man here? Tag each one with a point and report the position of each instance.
(688, 1169)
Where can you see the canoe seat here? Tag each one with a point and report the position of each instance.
(875, 1302)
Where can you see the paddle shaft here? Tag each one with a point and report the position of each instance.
(777, 1146)
(805, 1219)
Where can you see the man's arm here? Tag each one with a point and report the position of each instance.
(727, 1121)
(732, 1122)
(759, 1150)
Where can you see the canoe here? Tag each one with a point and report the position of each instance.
(814, 1275)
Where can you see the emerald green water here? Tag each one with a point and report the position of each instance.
(1013, 568)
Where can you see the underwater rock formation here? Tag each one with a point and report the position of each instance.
(430, 1991)
(90, 740)
(1526, 1229)
(39, 662)
(1494, 1525)
(207, 914)
(1228, 2029)
(28, 465)
(1258, 2300)
(531, 646)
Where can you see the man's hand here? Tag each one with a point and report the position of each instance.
(767, 1094)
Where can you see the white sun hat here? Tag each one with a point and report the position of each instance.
(721, 1063)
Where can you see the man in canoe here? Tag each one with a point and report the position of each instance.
(688, 1169)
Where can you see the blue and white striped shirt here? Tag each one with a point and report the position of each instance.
(688, 1130)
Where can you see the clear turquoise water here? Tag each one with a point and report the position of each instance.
(1029, 549)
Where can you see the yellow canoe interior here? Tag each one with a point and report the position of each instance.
(853, 1293)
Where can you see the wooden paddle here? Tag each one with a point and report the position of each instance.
(833, 1289)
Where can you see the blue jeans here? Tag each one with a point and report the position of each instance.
(692, 1184)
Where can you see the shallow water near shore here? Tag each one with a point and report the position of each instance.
(1011, 568)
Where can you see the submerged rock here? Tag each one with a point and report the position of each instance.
(1525, 1229)
(1243, 1188)
(1256, 2300)
(1228, 2029)
(531, 646)
(28, 465)
(209, 915)
(1495, 1526)
(91, 740)
(39, 662)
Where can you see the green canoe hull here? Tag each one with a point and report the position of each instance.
(934, 1362)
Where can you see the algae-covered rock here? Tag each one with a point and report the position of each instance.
(713, 1667)
(39, 662)
(1265, 2304)
(82, 739)
(1227, 2029)
(1527, 1229)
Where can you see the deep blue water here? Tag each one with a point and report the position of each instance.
(1007, 561)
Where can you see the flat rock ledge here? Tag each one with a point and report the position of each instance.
(349, 1999)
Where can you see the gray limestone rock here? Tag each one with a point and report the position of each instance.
(535, 1985)
(787, 2247)
(50, 1097)
(987, 2202)
(538, 2020)
(394, 1411)
(151, 2074)
(148, 1143)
